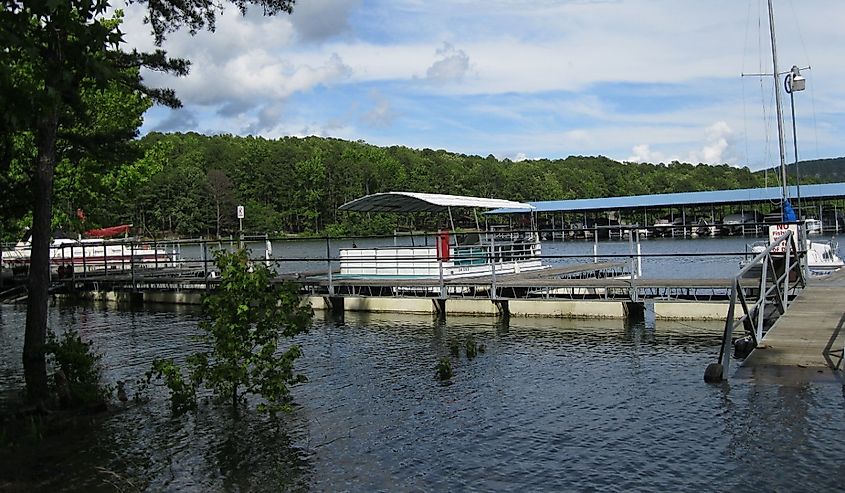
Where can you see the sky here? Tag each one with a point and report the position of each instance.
(633, 80)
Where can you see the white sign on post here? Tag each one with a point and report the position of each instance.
(240, 212)
(777, 232)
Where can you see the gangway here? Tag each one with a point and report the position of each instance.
(782, 277)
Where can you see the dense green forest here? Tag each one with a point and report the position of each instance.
(816, 170)
(189, 184)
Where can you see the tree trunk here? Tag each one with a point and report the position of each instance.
(219, 217)
(34, 359)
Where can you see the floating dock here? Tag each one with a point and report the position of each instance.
(586, 290)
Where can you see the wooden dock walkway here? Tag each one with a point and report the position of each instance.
(808, 336)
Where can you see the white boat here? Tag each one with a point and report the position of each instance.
(450, 256)
(663, 227)
(88, 255)
(703, 227)
(742, 223)
(814, 226)
(822, 256)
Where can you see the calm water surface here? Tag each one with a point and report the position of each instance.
(551, 405)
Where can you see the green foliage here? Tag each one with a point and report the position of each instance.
(247, 318)
(295, 185)
(443, 369)
(183, 390)
(471, 348)
(811, 171)
(78, 376)
(455, 349)
(188, 184)
(56, 61)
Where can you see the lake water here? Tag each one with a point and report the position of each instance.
(551, 405)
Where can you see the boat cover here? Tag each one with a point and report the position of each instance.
(427, 202)
(108, 232)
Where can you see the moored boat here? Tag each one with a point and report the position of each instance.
(450, 255)
(98, 253)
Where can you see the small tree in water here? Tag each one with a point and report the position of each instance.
(246, 319)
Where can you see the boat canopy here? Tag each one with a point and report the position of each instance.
(108, 232)
(427, 202)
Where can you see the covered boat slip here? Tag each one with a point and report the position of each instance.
(704, 213)
(475, 253)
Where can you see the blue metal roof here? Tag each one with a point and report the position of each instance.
(691, 199)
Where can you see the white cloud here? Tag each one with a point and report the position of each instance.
(622, 78)
(714, 149)
(319, 20)
(642, 153)
(452, 65)
(719, 136)
(382, 114)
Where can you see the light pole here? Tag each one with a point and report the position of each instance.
(795, 82)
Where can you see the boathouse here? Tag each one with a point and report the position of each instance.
(680, 212)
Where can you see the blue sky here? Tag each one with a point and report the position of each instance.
(634, 80)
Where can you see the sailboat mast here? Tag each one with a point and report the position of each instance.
(779, 104)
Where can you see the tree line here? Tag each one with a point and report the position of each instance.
(188, 184)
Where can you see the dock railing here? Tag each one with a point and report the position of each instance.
(315, 263)
(781, 272)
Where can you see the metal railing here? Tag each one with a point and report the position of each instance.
(315, 262)
(782, 271)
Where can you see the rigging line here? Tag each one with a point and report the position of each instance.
(765, 156)
(800, 33)
(742, 87)
(809, 64)
(815, 122)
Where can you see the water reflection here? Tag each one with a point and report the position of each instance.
(550, 405)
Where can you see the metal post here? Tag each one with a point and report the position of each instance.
(762, 313)
(562, 229)
(329, 265)
(672, 220)
(155, 254)
(639, 256)
(805, 266)
(778, 104)
(205, 261)
(493, 267)
(132, 264)
(795, 150)
(240, 232)
(786, 270)
(595, 244)
(440, 277)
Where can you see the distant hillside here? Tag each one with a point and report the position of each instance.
(817, 170)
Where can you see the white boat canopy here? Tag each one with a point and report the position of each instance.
(427, 202)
